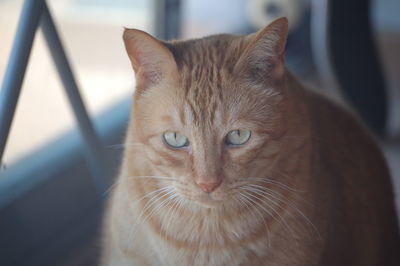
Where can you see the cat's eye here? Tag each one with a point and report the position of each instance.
(238, 137)
(175, 139)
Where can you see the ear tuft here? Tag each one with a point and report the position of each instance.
(151, 60)
(276, 34)
(263, 57)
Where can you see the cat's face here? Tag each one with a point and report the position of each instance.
(209, 112)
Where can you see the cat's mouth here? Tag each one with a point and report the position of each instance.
(202, 198)
(208, 200)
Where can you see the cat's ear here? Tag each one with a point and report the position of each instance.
(263, 56)
(151, 60)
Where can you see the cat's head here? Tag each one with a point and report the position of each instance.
(209, 112)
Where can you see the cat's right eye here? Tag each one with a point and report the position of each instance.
(175, 139)
(238, 137)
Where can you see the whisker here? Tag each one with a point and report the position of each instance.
(259, 215)
(152, 192)
(133, 177)
(124, 145)
(273, 182)
(250, 200)
(164, 191)
(170, 195)
(170, 214)
(261, 190)
(154, 177)
(271, 192)
(108, 190)
(267, 205)
(164, 203)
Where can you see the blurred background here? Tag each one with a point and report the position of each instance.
(50, 198)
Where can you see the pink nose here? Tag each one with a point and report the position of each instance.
(209, 187)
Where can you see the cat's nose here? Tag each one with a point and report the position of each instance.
(209, 186)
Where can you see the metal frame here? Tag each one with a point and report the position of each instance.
(33, 12)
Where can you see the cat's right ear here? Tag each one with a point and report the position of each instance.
(152, 62)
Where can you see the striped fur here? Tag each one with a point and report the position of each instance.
(284, 197)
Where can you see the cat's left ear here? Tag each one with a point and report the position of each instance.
(263, 57)
(151, 60)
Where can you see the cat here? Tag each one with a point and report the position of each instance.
(229, 160)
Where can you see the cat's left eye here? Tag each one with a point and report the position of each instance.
(238, 137)
(175, 139)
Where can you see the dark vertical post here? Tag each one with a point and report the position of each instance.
(355, 60)
(168, 19)
(172, 19)
(18, 60)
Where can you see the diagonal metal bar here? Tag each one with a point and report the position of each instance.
(15, 71)
(92, 145)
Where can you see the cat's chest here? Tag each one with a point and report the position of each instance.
(257, 252)
(239, 256)
(200, 257)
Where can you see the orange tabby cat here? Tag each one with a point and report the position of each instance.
(230, 161)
